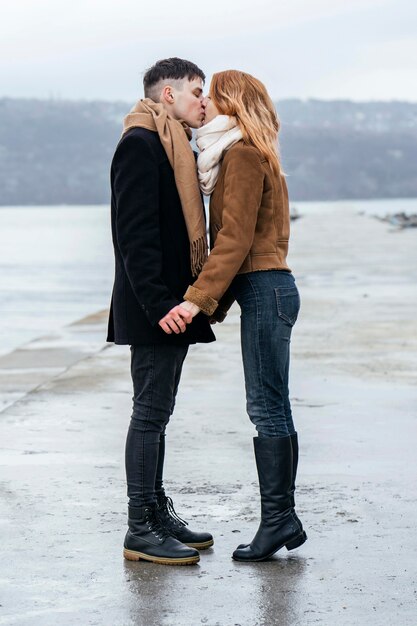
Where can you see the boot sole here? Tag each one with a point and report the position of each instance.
(291, 545)
(297, 542)
(132, 555)
(201, 546)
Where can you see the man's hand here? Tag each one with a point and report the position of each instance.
(175, 320)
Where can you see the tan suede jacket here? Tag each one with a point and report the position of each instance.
(249, 227)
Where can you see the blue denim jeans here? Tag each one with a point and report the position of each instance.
(269, 302)
(156, 372)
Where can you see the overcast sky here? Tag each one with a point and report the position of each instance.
(98, 49)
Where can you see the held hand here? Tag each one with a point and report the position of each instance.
(192, 308)
(175, 320)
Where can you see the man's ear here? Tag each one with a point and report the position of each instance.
(167, 95)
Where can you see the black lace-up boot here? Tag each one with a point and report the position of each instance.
(177, 527)
(148, 540)
(279, 525)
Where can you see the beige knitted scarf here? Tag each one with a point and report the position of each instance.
(175, 138)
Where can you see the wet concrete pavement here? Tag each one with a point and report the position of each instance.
(62, 431)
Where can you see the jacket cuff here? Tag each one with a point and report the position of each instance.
(206, 303)
(219, 315)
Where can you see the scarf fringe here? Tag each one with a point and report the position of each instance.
(199, 254)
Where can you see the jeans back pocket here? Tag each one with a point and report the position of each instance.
(288, 303)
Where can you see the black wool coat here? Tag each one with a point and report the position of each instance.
(151, 245)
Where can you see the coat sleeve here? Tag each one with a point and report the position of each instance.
(243, 188)
(135, 184)
(224, 305)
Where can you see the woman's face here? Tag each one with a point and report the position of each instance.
(211, 111)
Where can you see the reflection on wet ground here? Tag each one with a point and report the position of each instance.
(62, 490)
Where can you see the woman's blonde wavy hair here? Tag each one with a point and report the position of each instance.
(246, 98)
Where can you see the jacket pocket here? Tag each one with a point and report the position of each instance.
(288, 303)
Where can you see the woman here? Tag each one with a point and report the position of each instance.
(249, 222)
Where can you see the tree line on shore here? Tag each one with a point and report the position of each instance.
(59, 152)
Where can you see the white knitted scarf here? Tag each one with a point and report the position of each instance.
(213, 139)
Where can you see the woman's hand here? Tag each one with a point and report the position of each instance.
(189, 306)
(176, 319)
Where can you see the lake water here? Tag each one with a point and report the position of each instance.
(56, 263)
(56, 266)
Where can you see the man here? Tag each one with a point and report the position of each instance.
(159, 238)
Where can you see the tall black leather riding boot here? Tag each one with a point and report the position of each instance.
(279, 525)
(177, 527)
(294, 444)
(148, 540)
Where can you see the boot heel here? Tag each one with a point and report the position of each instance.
(130, 555)
(297, 542)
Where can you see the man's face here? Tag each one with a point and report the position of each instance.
(188, 103)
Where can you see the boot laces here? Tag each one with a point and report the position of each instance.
(154, 525)
(167, 506)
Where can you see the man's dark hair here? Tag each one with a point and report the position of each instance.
(173, 68)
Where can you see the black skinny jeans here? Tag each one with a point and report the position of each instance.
(156, 372)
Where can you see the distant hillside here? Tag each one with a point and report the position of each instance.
(59, 152)
(341, 150)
